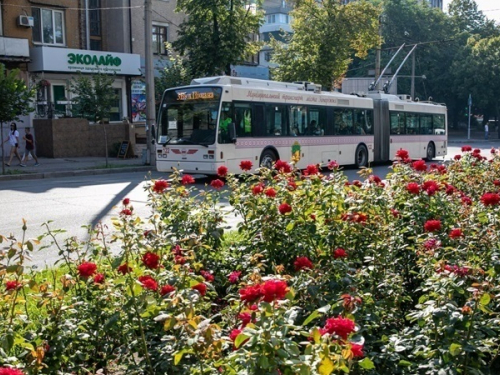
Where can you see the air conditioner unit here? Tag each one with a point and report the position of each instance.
(26, 21)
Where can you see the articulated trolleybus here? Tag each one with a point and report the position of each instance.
(224, 120)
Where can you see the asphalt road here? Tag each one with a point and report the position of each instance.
(72, 202)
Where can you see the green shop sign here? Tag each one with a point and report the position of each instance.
(85, 59)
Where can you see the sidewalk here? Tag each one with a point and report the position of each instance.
(67, 167)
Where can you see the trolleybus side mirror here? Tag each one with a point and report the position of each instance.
(232, 132)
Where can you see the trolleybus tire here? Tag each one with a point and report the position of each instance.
(431, 151)
(361, 156)
(268, 158)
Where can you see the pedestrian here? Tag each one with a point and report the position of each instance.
(29, 149)
(14, 143)
(486, 130)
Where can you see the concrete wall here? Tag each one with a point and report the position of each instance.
(74, 137)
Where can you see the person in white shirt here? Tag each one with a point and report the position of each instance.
(486, 130)
(14, 143)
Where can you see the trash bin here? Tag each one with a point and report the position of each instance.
(144, 156)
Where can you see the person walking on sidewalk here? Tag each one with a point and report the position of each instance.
(14, 143)
(29, 149)
(486, 130)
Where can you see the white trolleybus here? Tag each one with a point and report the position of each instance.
(224, 120)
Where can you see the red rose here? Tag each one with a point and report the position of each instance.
(419, 165)
(466, 148)
(450, 189)
(177, 250)
(274, 290)
(124, 269)
(148, 282)
(339, 253)
(234, 277)
(179, 259)
(402, 154)
(166, 289)
(457, 157)
(250, 294)
(490, 199)
(302, 263)
(430, 187)
(432, 225)
(282, 166)
(311, 169)
(431, 244)
(456, 233)
(270, 192)
(257, 189)
(187, 179)
(357, 350)
(374, 179)
(207, 276)
(87, 269)
(222, 171)
(151, 260)
(496, 182)
(413, 188)
(234, 333)
(333, 165)
(217, 184)
(341, 327)
(160, 186)
(246, 165)
(126, 201)
(126, 212)
(292, 186)
(10, 371)
(99, 278)
(466, 201)
(202, 288)
(284, 208)
(11, 285)
(245, 318)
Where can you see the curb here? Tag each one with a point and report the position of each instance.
(80, 172)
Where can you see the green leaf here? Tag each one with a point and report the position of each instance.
(316, 313)
(366, 364)
(178, 356)
(290, 226)
(455, 349)
(485, 299)
(404, 363)
(240, 339)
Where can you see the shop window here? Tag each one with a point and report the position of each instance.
(159, 39)
(116, 107)
(48, 26)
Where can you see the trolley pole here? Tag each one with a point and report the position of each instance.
(468, 124)
(150, 90)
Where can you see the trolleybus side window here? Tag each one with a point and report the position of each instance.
(226, 118)
(363, 122)
(298, 118)
(243, 119)
(439, 124)
(276, 120)
(343, 121)
(397, 123)
(412, 123)
(317, 120)
(425, 124)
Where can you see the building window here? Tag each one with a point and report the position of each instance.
(159, 39)
(48, 26)
(1, 26)
(95, 17)
(271, 18)
(95, 45)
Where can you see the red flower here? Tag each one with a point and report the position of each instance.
(187, 179)
(148, 282)
(284, 208)
(257, 189)
(160, 186)
(456, 233)
(496, 182)
(333, 165)
(466, 148)
(357, 350)
(431, 244)
(432, 225)
(302, 263)
(459, 271)
(246, 165)
(177, 250)
(457, 157)
(311, 169)
(466, 201)
(339, 253)
(357, 183)
(234, 333)
(419, 165)
(274, 290)
(179, 259)
(202, 288)
(126, 201)
(282, 166)
(350, 302)
(270, 192)
(11, 285)
(234, 277)
(217, 184)
(251, 293)
(10, 371)
(292, 186)
(374, 179)
(413, 188)
(490, 199)
(99, 278)
(430, 187)
(124, 269)
(87, 269)
(402, 154)
(126, 212)
(151, 260)
(207, 276)
(395, 213)
(341, 327)
(245, 318)
(222, 171)
(166, 289)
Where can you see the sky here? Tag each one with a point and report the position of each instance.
(490, 8)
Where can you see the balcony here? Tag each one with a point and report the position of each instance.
(14, 49)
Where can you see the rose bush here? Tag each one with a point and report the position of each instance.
(322, 276)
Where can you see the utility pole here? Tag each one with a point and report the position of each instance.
(412, 91)
(150, 88)
(469, 103)
(378, 54)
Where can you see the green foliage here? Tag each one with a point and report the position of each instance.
(215, 34)
(325, 36)
(94, 96)
(15, 96)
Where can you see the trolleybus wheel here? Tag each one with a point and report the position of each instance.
(431, 151)
(361, 156)
(267, 158)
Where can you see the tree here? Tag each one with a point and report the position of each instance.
(215, 33)
(325, 37)
(15, 99)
